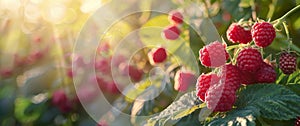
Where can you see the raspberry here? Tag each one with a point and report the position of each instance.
(158, 55)
(266, 74)
(238, 34)
(263, 33)
(249, 60)
(247, 78)
(134, 73)
(213, 55)
(230, 76)
(288, 62)
(103, 65)
(204, 82)
(183, 80)
(297, 122)
(60, 100)
(220, 98)
(112, 88)
(171, 32)
(176, 17)
(6, 72)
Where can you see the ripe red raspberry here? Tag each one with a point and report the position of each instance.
(288, 62)
(230, 76)
(237, 34)
(204, 82)
(213, 55)
(249, 60)
(297, 122)
(183, 80)
(266, 74)
(247, 77)
(220, 98)
(171, 32)
(175, 17)
(263, 33)
(158, 55)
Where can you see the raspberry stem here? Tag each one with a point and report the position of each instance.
(280, 20)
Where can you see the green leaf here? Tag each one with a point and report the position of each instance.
(239, 117)
(272, 100)
(184, 106)
(294, 87)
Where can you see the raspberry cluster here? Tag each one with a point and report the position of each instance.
(219, 91)
(262, 33)
(253, 67)
(172, 32)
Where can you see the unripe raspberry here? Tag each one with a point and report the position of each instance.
(176, 17)
(183, 80)
(213, 55)
(237, 34)
(263, 34)
(249, 60)
(204, 82)
(158, 55)
(266, 74)
(220, 98)
(171, 32)
(288, 62)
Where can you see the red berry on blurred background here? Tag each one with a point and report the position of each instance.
(60, 100)
(134, 73)
(237, 34)
(263, 34)
(112, 88)
(6, 72)
(183, 80)
(103, 65)
(176, 17)
(171, 32)
(213, 55)
(158, 55)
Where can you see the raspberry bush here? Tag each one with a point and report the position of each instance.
(152, 63)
